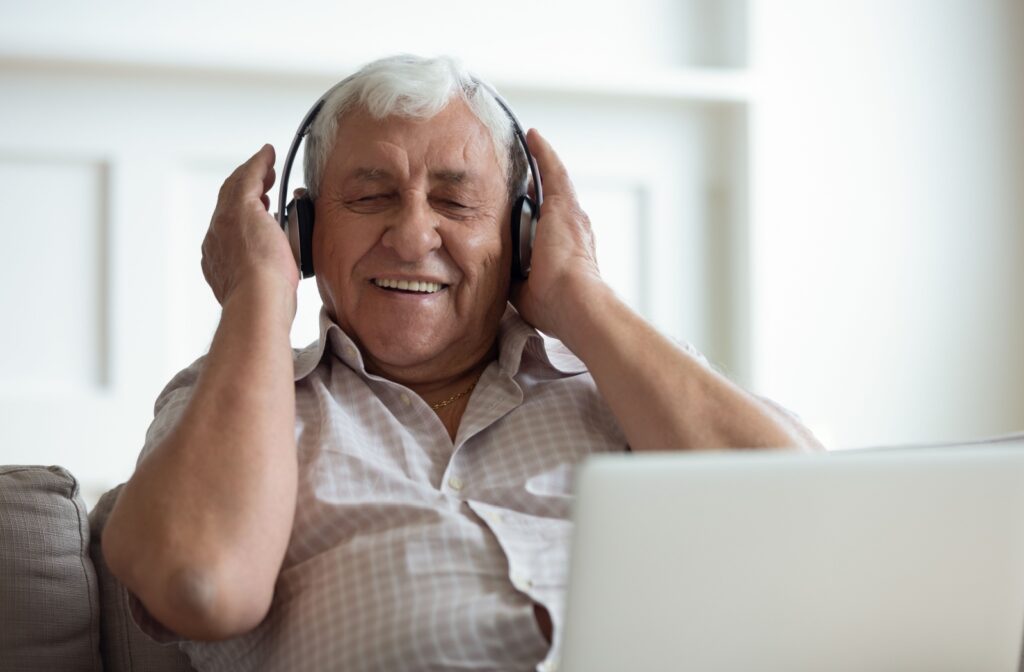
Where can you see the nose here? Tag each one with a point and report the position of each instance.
(413, 232)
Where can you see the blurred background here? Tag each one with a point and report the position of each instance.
(825, 196)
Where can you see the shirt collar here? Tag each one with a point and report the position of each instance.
(516, 340)
(306, 359)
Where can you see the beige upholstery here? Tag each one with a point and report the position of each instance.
(49, 598)
(60, 608)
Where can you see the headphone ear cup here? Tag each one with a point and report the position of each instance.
(524, 230)
(301, 214)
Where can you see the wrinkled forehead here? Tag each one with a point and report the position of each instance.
(454, 143)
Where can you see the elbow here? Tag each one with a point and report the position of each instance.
(201, 604)
(206, 601)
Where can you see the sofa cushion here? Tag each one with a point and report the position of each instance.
(49, 599)
(125, 647)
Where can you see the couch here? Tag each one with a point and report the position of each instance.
(60, 607)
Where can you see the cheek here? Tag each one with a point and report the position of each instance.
(481, 256)
(325, 255)
(337, 244)
(484, 247)
(334, 255)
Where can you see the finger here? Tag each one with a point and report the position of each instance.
(266, 202)
(552, 171)
(253, 178)
(269, 177)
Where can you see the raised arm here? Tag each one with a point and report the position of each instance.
(663, 397)
(199, 532)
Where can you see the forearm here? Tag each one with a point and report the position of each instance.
(662, 397)
(204, 522)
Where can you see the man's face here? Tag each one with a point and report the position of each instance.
(414, 201)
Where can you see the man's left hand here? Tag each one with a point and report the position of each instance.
(564, 264)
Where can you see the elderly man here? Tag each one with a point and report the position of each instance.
(396, 495)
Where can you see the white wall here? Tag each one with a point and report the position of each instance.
(120, 120)
(529, 35)
(888, 240)
(873, 288)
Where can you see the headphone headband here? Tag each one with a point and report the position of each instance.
(517, 128)
(307, 123)
(311, 115)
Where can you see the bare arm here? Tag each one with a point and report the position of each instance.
(200, 530)
(662, 397)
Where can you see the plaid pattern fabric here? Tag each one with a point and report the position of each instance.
(410, 551)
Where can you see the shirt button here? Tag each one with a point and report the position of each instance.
(494, 517)
(405, 399)
(455, 483)
(548, 666)
(350, 351)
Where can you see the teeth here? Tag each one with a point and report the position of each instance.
(409, 286)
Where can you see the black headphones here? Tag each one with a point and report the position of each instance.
(296, 218)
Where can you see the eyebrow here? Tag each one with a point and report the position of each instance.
(452, 176)
(449, 176)
(371, 174)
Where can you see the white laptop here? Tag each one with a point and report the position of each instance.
(878, 560)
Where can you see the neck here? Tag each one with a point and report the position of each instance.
(433, 385)
(438, 390)
(449, 398)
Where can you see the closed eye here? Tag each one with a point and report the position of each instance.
(369, 204)
(448, 202)
(452, 209)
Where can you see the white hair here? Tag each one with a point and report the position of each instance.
(416, 87)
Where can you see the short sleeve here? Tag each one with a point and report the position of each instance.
(145, 622)
(170, 406)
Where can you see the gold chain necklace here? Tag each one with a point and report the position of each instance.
(455, 397)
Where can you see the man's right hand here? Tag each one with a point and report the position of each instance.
(244, 242)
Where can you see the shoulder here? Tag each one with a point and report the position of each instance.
(304, 361)
(179, 386)
(173, 400)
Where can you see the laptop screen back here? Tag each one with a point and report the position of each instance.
(902, 559)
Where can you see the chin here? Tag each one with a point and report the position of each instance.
(404, 350)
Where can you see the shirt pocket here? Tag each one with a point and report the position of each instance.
(549, 493)
(537, 548)
(556, 482)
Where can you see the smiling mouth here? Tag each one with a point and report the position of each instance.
(409, 286)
